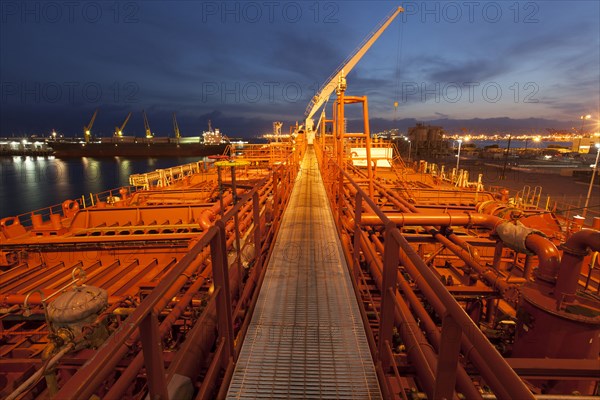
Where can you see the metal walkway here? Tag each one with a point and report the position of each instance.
(306, 338)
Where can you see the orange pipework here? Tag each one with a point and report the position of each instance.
(549, 257)
(574, 251)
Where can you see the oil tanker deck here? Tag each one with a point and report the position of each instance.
(265, 277)
(322, 266)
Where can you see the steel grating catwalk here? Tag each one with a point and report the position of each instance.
(306, 338)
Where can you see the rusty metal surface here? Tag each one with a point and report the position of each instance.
(306, 337)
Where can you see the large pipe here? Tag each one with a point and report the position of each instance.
(36, 299)
(464, 382)
(507, 289)
(476, 337)
(549, 257)
(123, 382)
(574, 251)
(480, 362)
(462, 243)
(418, 348)
(419, 351)
(424, 277)
(205, 336)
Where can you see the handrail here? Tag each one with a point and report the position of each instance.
(85, 381)
(507, 377)
(25, 219)
(91, 375)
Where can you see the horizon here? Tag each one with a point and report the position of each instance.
(475, 126)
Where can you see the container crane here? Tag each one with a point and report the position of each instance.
(149, 134)
(119, 130)
(87, 130)
(176, 127)
(328, 88)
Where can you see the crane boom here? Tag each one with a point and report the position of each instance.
(87, 130)
(176, 127)
(147, 126)
(119, 130)
(328, 88)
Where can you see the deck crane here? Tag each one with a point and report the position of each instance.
(149, 134)
(87, 130)
(176, 127)
(328, 88)
(119, 130)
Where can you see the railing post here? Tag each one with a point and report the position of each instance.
(220, 185)
(275, 195)
(357, 218)
(153, 357)
(391, 255)
(445, 374)
(257, 232)
(236, 227)
(218, 256)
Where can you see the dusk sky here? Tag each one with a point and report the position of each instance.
(246, 64)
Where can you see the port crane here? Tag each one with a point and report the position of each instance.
(176, 127)
(119, 130)
(330, 85)
(149, 134)
(87, 130)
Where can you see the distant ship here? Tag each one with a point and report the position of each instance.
(136, 147)
(212, 142)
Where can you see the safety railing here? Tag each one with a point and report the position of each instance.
(457, 327)
(144, 320)
(564, 207)
(108, 196)
(260, 155)
(143, 324)
(167, 176)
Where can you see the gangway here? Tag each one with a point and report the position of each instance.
(306, 338)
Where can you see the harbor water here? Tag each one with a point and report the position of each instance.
(31, 183)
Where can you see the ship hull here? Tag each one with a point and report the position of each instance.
(70, 149)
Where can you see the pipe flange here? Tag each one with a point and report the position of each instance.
(546, 278)
(572, 251)
(511, 294)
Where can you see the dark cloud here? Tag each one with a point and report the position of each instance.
(466, 71)
(479, 125)
(175, 56)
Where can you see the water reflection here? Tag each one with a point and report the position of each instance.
(124, 169)
(31, 183)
